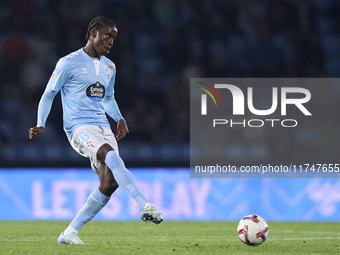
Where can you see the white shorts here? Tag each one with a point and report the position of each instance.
(87, 140)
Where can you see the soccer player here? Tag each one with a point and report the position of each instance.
(86, 81)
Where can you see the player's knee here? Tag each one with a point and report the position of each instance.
(112, 186)
(114, 162)
(109, 187)
(103, 151)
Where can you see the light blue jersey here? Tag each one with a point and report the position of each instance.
(87, 92)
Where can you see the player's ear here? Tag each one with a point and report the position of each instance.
(93, 33)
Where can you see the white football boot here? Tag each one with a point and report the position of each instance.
(71, 238)
(151, 214)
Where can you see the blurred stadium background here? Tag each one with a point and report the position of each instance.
(160, 45)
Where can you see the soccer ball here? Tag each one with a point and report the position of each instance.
(252, 230)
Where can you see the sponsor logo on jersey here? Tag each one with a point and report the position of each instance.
(96, 92)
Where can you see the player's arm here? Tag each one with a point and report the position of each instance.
(57, 80)
(44, 109)
(111, 108)
(122, 129)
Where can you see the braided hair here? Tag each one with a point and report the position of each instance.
(97, 23)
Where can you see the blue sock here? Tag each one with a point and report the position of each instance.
(125, 178)
(95, 202)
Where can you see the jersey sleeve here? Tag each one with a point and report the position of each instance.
(110, 88)
(58, 79)
(111, 108)
(60, 75)
(110, 103)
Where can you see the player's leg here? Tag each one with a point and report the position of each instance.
(123, 176)
(86, 141)
(128, 182)
(97, 199)
(108, 184)
(95, 202)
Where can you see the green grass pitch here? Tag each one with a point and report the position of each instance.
(172, 237)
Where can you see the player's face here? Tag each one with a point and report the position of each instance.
(103, 40)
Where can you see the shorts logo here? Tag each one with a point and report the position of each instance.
(89, 144)
(96, 92)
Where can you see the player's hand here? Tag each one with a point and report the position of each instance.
(122, 129)
(35, 131)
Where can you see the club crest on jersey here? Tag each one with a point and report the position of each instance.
(109, 69)
(96, 92)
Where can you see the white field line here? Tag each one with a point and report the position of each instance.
(308, 232)
(303, 238)
(237, 240)
(192, 241)
(269, 239)
(270, 230)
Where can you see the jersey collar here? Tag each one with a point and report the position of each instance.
(88, 56)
